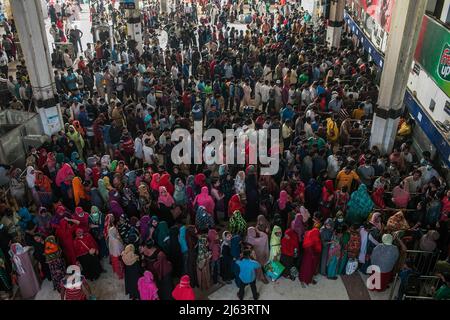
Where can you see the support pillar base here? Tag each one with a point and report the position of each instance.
(384, 131)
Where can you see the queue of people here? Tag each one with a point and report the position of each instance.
(105, 190)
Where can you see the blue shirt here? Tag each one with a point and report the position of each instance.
(248, 268)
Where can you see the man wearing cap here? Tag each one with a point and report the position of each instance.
(384, 256)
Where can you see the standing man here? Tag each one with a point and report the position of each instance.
(247, 274)
(75, 36)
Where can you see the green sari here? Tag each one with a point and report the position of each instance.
(342, 263)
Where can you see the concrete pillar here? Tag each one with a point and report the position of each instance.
(33, 40)
(335, 23)
(134, 27)
(402, 41)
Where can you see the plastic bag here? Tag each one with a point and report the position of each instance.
(274, 270)
(351, 267)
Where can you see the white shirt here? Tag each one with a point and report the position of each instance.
(148, 153)
(67, 60)
(138, 148)
(265, 93)
(333, 167)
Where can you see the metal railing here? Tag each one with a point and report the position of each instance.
(423, 263)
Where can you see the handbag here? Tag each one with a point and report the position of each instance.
(274, 270)
(351, 267)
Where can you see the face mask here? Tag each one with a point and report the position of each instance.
(340, 220)
(429, 167)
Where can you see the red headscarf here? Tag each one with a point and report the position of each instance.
(165, 197)
(165, 182)
(63, 174)
(235, 204)
(183, 290)
(205, 200)
(289, 243)
(200, 180)
(154, 184)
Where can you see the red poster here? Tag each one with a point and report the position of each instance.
(379, 10)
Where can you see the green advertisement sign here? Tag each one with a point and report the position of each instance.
(433, 52)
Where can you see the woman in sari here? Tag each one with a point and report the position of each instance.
(359, 206)
(79, 194)
(235, 204)
(97, 226)
(154, 184)
(214, 248)
(205, 200)
(43, 186)
(64, 182)
(43, 222)
(326, 235)
(86, 251)
(203, 263)
(199, 182)
(327, 199)
(190, 196)
(53, 257)
(179, 195)
(284, 206)
(226, 259)
(77, 138)
(299, 225)
(334, 253)
(239, 183)
(312, 247)
(289, 252)
(133, 271)
(397, 223)
(155, 261)
(81, 218)
(263, 225)
(165, 198)
(64, 233)
(275, 244)
(183, 290)
(115, 245)
(104, 193)
(147, 287)
(25, 269)
(162, 236)
(260, 244)
(165, 182)
(192, 240)
(344, 243)
(31, 184)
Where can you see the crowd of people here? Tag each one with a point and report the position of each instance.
(105, 190)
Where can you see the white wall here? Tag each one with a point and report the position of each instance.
(445, 17)
(426, 90)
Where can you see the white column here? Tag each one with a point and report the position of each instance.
(33, 40)
(335, 24)
(405, 26)
(134, 27)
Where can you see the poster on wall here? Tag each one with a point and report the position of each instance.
(379, 10)
(433, 52)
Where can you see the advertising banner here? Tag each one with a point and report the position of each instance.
(379, 10)
(433, 52)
